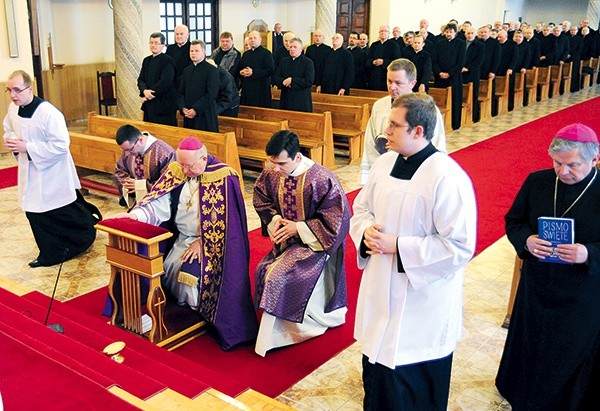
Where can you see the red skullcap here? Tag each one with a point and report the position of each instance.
(577, 132)
(190, 143)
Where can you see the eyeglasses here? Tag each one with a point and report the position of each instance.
(130, 149)
(392, 126)
(16, 90)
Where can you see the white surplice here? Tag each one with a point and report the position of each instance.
(47, 175)
(414, 316)
(380, 113)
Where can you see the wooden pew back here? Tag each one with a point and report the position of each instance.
(221, 145)
(502, 83)
(314, 130)
(485, 98)
(467, 105)
(443, 100)
(349, 122)
(531, 82)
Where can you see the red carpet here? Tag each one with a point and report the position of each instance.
(8, 177)
(497, 167)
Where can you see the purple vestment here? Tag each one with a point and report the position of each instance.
(222, 280)
(148, 166)
(286, 277)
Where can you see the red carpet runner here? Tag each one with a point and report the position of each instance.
(8, 177)
(497, 167)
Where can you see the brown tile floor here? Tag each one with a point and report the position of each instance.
(337, 384)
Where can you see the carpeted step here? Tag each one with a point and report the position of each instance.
(31, 380)
(76, 357)
(178, 373)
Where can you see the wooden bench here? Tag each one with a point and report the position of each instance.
(586, 78)
(502, 83)
(531, 82)
(555, 78)
(567, 75)
(252, 137)
(519, 94)
(595, 65)
(467, 105)
(221, 145)
(485, 98)
(543, 87)
(359, 92)
(351, 100)
(348, 122)
(443, 100)
(314, 130)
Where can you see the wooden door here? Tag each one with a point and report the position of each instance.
(352, 15)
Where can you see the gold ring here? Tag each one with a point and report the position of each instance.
(535, 250)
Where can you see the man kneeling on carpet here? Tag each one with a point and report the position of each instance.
(207, 267)
(301, 283)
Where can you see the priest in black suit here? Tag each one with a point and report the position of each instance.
(317, 53)
(448, 61)
(381, 54)
(294, 76)
(338, 69)
(180, 51)
(421, 58)
(256, 70)
(359, 56)
(471, 71)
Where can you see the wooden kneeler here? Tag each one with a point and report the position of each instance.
(133, 252)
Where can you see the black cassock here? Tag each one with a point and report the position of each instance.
(551, 360)
(302, 71)
(449, 57)
(158, 74)
(338, 72)
(256, 89)
(199, 89)
(388, 51)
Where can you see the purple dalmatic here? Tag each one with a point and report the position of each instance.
(286, 277)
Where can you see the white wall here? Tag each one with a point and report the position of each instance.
(555, 11)
(24, 61)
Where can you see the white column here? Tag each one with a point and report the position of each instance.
(593, 13)
(326, 18)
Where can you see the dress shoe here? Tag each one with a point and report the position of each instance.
(35, 263)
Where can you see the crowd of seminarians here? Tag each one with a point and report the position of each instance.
(184, 78)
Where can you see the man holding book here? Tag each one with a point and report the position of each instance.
(551, 359)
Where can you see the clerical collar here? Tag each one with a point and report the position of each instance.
(28, 110)
(405, 168)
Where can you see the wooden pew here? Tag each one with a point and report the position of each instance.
(221, 145)
(555, 78)
(334, 99)
(314, 129)
(519, 90)
(467, 105)
(502, 83)
(513, 290)
(595, 65)
(485, 98)
(443, 100)
(586, 78)
(359, 92)
(252, 137)
(567, 75)
(543, 89)
(531, 82)
(348, 122)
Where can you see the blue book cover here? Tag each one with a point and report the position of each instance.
(557, 230)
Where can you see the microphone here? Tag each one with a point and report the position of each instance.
(56, 327)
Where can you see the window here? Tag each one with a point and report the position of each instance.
(199, 15)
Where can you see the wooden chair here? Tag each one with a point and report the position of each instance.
(531, 82)
(485, 98)
(567, 75)
(543, 87)
(107, 88)
(467, 105)
(555, 78)
(502, 83)
(519, 90)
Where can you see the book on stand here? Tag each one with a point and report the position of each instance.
(557, 230)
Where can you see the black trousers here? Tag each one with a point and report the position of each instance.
(423, 386)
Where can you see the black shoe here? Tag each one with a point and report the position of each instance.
(35, 263)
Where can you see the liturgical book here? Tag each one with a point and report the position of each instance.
(557, 230)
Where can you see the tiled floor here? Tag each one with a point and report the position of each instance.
(337, 384)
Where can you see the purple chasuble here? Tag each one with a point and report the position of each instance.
(223, 280)
(286, 277)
